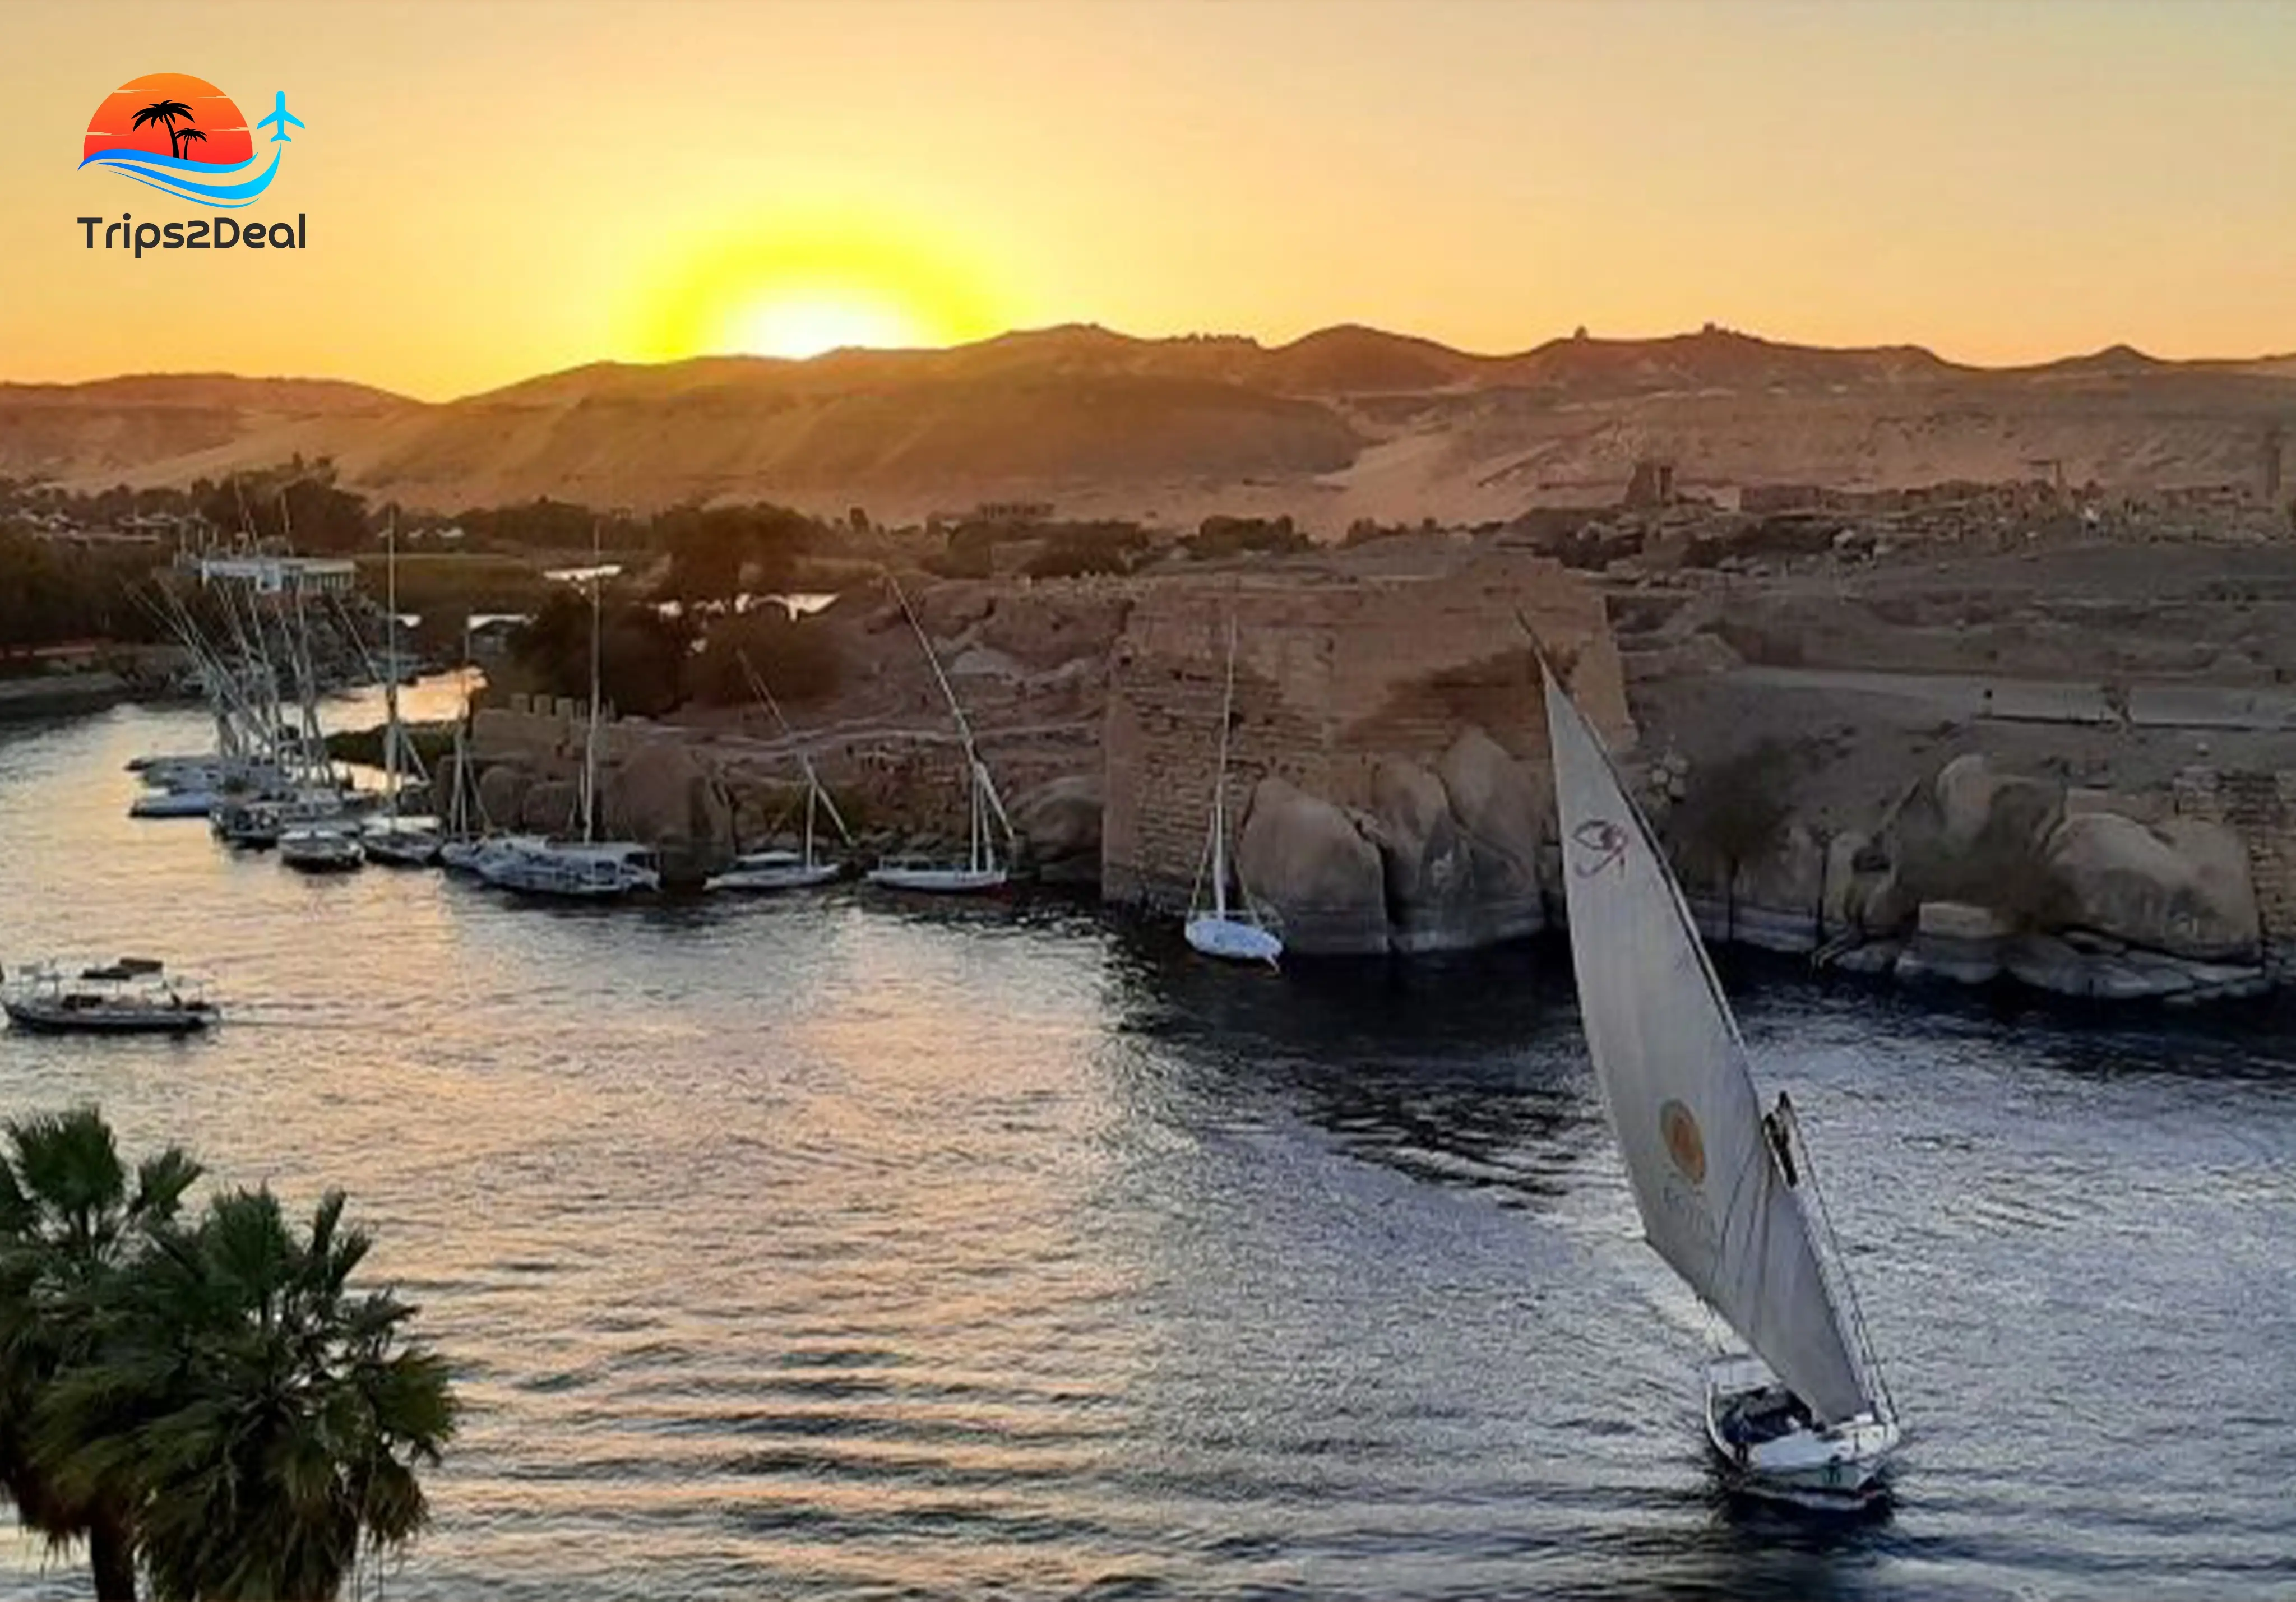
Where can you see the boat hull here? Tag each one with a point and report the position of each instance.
(472, 855)
(305, 863)
(173, 803)
(322, 851)
(1230, 940)
(401, 851)
(47, 1018)
(760, 879)
(939, 881)
(562, 887)
(1765, 1451)
(568, 872)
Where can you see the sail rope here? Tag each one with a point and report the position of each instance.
(1850, 1285)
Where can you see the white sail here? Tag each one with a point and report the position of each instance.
(1715, 1202)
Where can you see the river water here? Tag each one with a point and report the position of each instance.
(833, 1247)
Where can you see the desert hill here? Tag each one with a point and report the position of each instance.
(1346, 422)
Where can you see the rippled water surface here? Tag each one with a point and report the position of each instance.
(831, 1248)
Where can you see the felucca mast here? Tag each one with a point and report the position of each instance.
(390, 737)
(984, 799)
(1219, 783)
(590, 734)
(815, 795)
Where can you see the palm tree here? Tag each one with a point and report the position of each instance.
(187, 136)
(283, 1416)
(164, 111)
(73, 1222)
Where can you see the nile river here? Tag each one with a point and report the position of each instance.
(836, 1248)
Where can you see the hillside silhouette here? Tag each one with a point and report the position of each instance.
(1345, 422)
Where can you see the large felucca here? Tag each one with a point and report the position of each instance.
(1725, 1190)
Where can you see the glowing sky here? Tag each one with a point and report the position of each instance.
(498, 191)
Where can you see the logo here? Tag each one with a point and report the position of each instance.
(184, 137)
(1683, 1143)
(1606, 842)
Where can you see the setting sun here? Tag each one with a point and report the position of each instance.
(810, 283)
(802, 323)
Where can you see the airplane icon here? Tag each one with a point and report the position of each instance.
(282, 117)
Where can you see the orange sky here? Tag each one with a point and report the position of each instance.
(497, 190)
(212, 113)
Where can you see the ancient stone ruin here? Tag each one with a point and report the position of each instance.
(1387, 766)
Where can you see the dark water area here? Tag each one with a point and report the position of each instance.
(841, 1247)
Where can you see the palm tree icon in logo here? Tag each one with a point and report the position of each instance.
(166, 112)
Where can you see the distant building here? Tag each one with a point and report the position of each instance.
(277, 575)
(1013, 511)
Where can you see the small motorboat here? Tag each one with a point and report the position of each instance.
(134, 996)
(320, 848)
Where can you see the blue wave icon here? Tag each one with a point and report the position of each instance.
(178, 177)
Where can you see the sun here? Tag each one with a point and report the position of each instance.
(798, 323)
(799, 286)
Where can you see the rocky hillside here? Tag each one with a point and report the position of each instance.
(1345, 424)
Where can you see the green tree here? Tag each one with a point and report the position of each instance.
(272, 1419)
(164, 111)
(73, 1219)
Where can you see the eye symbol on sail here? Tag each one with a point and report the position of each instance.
(1683, 1143)
(1606, 841)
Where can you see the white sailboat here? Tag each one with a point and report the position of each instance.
(589, 869)
(777, 869)
(982, 869)
(1803, 1412)
(397, 840)
(1216, 932)
(470, 837)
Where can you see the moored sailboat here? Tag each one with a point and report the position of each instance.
(1215, 931)
(1803, 1412)
(397, 840)
(772, 870)
(981, 868)
(588, 868)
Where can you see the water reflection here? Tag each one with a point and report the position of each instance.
(852, 1246)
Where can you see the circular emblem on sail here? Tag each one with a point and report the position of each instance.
(1683, 1143)
(1600, 843)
